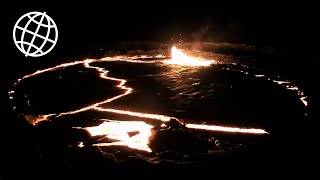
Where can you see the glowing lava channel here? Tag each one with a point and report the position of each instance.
(119, 130)
(136, 114)
(103, 74)
(226, 129)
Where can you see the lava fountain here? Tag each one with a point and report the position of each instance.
(180, 58)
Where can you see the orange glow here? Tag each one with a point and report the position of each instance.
(49, 69)
(136, 114)
(288, 86)
(180, 58)
(35, 119)
(131, 59)
(281, 82)
(226, 129)
(80, 144)
(118, 130)
(103, 74)
(164, 125)
(304, 101)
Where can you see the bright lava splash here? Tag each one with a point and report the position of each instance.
(180, 58)
(120, 130)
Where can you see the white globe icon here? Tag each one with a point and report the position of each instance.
(35, 34)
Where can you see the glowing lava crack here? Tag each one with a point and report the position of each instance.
(118, 130)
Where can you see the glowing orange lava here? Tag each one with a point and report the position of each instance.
(35, 119)
(136, 114)
(288, 86)
(103, 74)
(304, 101)
(119, 130)
(180, 58)
(226, 129)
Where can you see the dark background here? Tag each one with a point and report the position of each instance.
(266, 23)
(289, 27)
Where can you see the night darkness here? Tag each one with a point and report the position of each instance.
(288, 32)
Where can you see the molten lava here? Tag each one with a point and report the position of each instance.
(120, 130)
(226, 129)
(136, 114)
(180, 58)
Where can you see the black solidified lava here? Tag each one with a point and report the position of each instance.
(219, 95)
